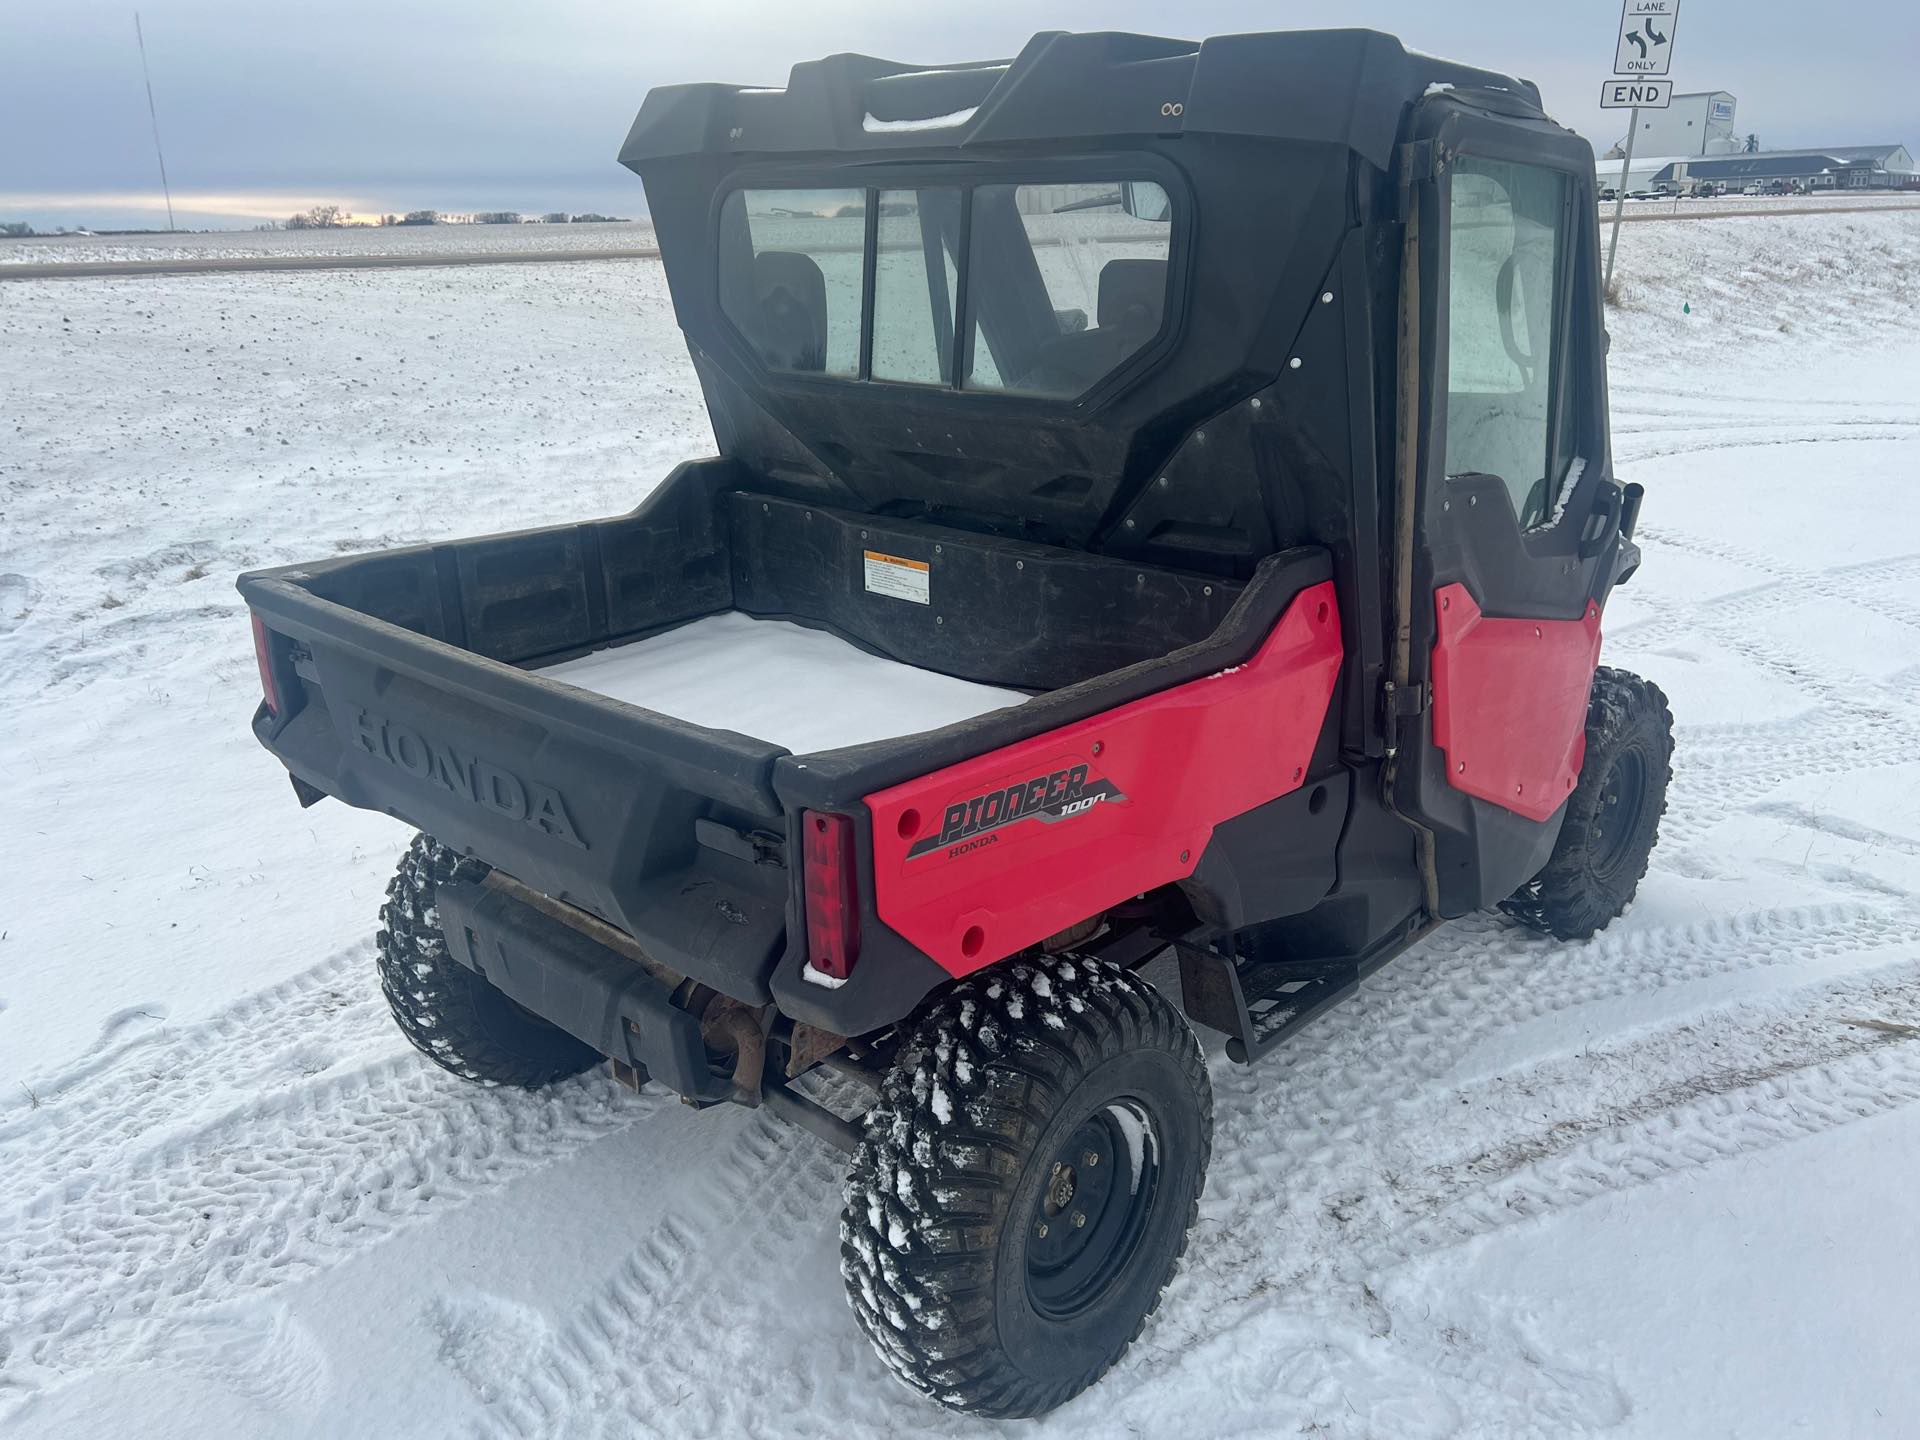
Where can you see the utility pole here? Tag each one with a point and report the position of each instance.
(154, 118)
(1620, 197)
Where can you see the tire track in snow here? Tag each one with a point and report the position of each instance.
(617, 1359)
(1803, 1075)
(615, 1366)
(1631, 454)
(265, 1167)
(687, 1285)
(1372, 1192)
(1730, 622)
(1734, 432)
(127, 1092)
(1871, 584)
(1373, 1067)
(1725, 770)
(1415, 1020)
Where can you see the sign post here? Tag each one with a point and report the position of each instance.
(1643, 50)
(1620, 200)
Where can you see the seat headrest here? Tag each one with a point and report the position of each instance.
(1133, 294)
(790, 295)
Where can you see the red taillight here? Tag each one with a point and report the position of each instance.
(263, 653)
(833, 912)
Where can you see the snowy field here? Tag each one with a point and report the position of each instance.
(636, 234)
(345, 240)
(1756, 204)
(1662, 1184)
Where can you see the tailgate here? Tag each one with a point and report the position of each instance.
(668, 830)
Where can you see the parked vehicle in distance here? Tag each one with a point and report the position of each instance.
(1164, 513)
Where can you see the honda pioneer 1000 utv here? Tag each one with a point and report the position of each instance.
(1163, 510)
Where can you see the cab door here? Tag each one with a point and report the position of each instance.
(1512, 529)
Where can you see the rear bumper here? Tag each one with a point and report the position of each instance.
(584, 988)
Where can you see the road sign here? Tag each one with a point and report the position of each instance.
(1636, 94)
(1646, 37)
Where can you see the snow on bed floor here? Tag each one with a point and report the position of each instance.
(1659, 1184)
(777, 681)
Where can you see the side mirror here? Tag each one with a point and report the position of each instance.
(1144, 200)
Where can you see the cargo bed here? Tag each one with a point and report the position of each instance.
(627, 715)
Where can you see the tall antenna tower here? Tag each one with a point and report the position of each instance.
(159, 154)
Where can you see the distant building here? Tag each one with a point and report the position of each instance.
(1643, 174)
(1838, 167)
(1697, 124)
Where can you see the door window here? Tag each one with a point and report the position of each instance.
(1507, 230)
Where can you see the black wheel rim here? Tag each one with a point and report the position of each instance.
(1092, 1209)
(1622, 798)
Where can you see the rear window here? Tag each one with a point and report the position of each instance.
(915, 285)
(1035, 289)
(797, 299)
(1102, 275)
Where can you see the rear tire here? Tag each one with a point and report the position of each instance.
(1026, 1184)
(452, 1015)
(1613, 815)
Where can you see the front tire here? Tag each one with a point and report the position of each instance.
(1613, 816)
(1026, 1184)
(452, 1015)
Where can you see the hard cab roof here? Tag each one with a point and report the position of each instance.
(1343, 87)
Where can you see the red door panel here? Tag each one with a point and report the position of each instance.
(1510, 702)
(987, 857)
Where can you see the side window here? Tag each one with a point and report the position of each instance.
(1067, 282)
(790, 275)
(1506, 235)
(914, 285)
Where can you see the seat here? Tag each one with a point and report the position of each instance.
(789, 326)
(1131, 300)
(1133, 296)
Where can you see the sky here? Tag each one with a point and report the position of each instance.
(267, 107)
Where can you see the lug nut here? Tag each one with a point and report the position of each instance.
(1090, 1159)
(1040, 1230)
(1079, 1219)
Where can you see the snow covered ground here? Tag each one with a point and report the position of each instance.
(1659, 1184)
(342, 240)
(1704, 205)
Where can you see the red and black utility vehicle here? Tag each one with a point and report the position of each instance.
(1205, 445)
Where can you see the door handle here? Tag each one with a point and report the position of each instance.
(1607, 509)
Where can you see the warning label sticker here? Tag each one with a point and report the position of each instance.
(902, 579)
